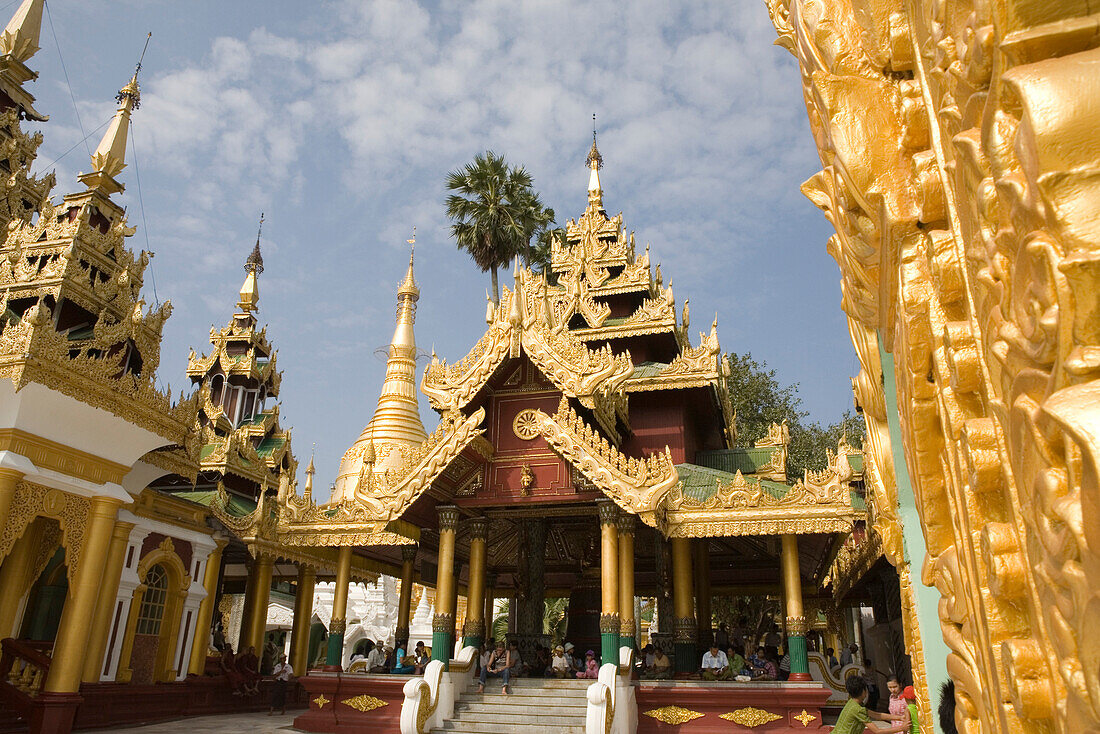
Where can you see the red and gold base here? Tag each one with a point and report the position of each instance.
(345, 703)
(702, 707)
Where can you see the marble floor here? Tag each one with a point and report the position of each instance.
(259, 723)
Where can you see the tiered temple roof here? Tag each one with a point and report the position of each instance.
(70, 289)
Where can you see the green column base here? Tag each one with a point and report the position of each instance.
(442, 644)
(609, 648)
(800, 663)
(334, 657)
(685, 657)
(472, 641)
(627, 641)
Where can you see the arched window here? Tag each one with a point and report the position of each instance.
(153, 601)
(216, 386)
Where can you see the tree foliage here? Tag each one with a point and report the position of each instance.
(759, 399)
(495, 212)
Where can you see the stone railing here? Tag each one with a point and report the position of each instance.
(611, 705)
(430, 700)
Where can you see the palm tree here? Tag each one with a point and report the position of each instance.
(495, 212)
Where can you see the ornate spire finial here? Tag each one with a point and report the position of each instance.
(20, 37)
(253, 266)
(408, 287)
(595, 162)
(110, 157)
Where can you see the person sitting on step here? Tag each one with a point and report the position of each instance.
(591, 667)
(558, 665)
(499, 666)
(715, 666)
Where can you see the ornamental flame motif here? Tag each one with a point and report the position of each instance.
(364, 703)
(750, 717)
(673, 714)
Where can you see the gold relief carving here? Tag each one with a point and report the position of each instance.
(750, 717)
(71, 512)
(364, 703)
(337, 626)
(443, 622)
(960, 178)
(48, 454)
(526, 424)
(796, 626)
(225, 608)
(804, 718)
(321, 701)
(636, 485)
(610, 624)
(684, 629)
(526, 480)
(673, 715)
(448, 517)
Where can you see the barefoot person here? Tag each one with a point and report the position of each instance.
(281, 674)
(499, 666)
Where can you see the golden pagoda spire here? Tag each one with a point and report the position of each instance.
(595, 162)
(109, 158)
(20, 38)
(253, 266)
(310, 471)
(397, 417)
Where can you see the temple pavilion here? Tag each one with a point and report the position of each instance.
(585, 449)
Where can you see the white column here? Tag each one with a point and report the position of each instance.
(200, 554)
(128, 581)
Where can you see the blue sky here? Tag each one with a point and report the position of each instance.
(340, 119)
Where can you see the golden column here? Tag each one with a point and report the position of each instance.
(71, 642)
(108, 593)
(303, 618)
(683, 626)
(443, 624)
(257, 614)
(334, 660)
(201, 644)
(796, 619)
(609, 581)
(14, 572)
(703, 621)
(245, 633)
(8, 479)
(473, 629)
(404, 602)
(626, 580)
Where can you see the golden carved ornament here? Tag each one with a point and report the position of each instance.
(636, 485)
(70, 510)
(750, 717)
(321, 701)
(526, 424)
(364, 703)
(804, 718)
(959, 174)
(673, 715)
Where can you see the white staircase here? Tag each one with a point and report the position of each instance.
(532, 705)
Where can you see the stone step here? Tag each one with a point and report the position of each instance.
(524, 714)
(473, 727)
(566, 706)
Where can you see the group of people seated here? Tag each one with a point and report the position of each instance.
(502, 661)
(718, 664)
(382, 658)
(242, 671)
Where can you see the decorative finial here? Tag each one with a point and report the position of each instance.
(253, 266)
(110, 157)
(255, 261)
(408, 288)
(20, 37)
(594, 160)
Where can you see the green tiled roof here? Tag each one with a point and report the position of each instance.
(270, 445)
(856, 462)
(701, 482)
(747, 461)
(858, 503)
(648, 369)
(237, 505)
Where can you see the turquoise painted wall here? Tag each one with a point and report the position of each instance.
(926, 598)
